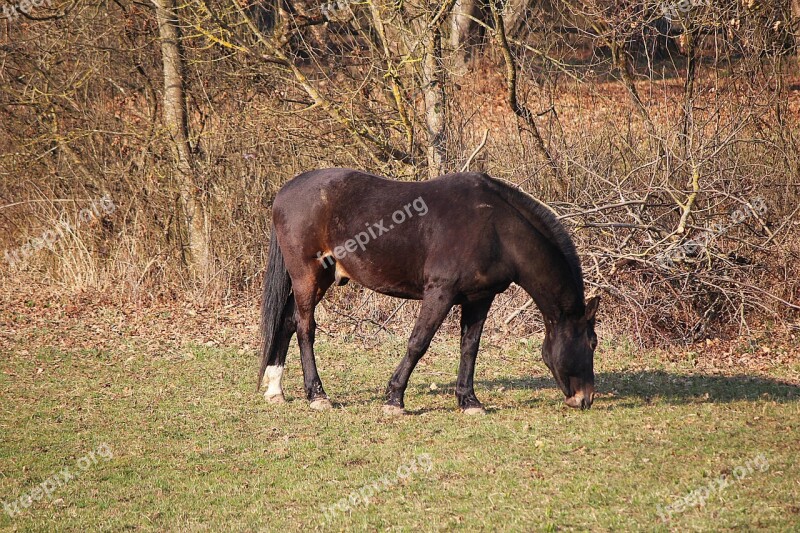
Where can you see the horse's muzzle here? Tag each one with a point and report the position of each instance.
(582, 399)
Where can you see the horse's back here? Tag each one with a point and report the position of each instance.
(330, 178)
(327, 178)
(333, 192)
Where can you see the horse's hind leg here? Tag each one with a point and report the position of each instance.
(473, 316)
(273, 376)
(435, 306)
(307, 293)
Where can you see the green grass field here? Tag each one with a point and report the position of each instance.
(183, 442)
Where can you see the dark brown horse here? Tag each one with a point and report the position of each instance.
(456, 240)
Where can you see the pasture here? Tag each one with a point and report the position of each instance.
(182, 442)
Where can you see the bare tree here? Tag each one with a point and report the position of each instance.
(197, 250)
(520, 110)
(433, 83)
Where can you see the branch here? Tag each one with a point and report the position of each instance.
(393, 74)
(514, 315)
(689, 201)
(365, 138)
(601, 208)
(475, 152)
(440, 16)
(511, 86)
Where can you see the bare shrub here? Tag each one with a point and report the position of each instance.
(668, 145)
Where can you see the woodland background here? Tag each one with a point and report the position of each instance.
(664, 134)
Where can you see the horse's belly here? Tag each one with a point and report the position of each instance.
(396, 288)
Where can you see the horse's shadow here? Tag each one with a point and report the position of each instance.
(670, 388)
(633, 387)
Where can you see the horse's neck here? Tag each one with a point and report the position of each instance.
(551, 285)
(542, 268)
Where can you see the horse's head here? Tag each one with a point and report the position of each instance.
(568, 351)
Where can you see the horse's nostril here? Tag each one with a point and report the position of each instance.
(584, 404)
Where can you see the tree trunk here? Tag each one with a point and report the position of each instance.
(435, 104)
(463, 31)
(196, 249)
(515, 17)
(691, 34)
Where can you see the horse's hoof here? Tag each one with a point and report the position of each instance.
(393, 410)
(275, 398)
(321, 404)
(471, 411)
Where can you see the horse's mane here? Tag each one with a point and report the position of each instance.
(546, 222)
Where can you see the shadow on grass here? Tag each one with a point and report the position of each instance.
(644, 386)
(669, 388)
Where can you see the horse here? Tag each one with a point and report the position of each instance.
(459, 239)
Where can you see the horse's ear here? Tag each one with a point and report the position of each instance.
(591, 308)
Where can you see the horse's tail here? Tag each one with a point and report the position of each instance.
(274, 304)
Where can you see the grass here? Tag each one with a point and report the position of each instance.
(194, 448)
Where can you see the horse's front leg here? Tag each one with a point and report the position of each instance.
(473, 317)
(435, 305)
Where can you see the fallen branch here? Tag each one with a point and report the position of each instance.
(514, 315)
(601, 208)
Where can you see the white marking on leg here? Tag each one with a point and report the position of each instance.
(274, 376)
